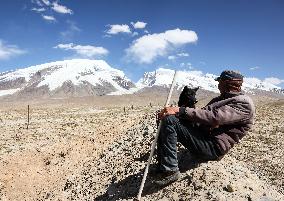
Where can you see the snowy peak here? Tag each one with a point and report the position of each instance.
(163, 77)
(95, 72)
(83, 77)
(74, 76)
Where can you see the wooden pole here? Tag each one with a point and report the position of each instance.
(155, 141)
(28, 116)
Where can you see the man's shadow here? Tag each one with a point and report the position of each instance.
(128, 187)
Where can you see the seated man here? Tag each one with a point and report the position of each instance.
(209, 132)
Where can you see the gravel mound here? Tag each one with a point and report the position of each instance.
(262, 150)
(117, 174)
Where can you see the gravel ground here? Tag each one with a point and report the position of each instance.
(262, 150)
(118, 173)
(82, 152)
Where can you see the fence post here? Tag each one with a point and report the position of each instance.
(28, 116)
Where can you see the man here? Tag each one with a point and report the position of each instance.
(209, 132)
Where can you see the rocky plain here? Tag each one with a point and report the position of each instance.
(96, 148)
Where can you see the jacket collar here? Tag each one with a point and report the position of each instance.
(230, 94)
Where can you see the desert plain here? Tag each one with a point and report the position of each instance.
(96, 148)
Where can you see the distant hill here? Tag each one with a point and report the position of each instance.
(79, 77)
(163, 77)
(83, 77)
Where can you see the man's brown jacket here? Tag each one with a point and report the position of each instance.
(228, 117)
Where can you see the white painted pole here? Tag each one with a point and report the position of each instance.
(155, 141)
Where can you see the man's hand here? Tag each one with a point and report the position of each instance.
(168, 111)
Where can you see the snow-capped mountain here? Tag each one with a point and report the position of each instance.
(76, 77)
(163, 77)
(83, 77)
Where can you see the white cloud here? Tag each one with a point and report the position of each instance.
(52, 7)
(87, 51)
(139, 25)
(182, 54)
(68, 46)
(164, 66)
(38, 9)
(179, 37)
(61, 9)
(135, 33)
(8, 51)
(187, 65)
(172, 57)
(46, 2)
(117, 28)
(254, 68)
(273, 80)
(49, 18)
(37, 2)
(148, 47)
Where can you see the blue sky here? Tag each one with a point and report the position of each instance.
(138, 36)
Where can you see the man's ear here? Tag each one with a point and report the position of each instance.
(195, 89)
(185, 88)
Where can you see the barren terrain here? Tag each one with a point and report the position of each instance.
(97, 148)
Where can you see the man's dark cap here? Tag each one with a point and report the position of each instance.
(230, 75)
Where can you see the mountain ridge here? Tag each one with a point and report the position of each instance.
(84, 77)
(55, 77)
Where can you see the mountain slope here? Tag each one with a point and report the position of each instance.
(163, 77)
(83, 77)
(76, 77)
